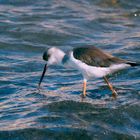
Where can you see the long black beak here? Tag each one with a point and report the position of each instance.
(42, 76)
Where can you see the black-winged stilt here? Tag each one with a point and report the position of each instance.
(92, 62)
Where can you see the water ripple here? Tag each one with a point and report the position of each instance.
(27, 28)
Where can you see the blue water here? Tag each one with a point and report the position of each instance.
(27, 28)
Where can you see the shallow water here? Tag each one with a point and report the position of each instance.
(27, 28)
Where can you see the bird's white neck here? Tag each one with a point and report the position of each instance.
(59, 56)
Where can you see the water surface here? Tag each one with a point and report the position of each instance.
(27, 28)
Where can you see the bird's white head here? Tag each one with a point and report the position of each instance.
(53, 56)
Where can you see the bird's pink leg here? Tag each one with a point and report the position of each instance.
(114, 93)
(84, 89)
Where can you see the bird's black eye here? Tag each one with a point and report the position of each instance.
(46, 56)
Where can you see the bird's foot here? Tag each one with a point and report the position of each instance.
(114, 94)
(82, 97)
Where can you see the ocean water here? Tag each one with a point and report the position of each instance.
(27, 28)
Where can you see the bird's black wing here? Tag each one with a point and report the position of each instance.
(96, 57)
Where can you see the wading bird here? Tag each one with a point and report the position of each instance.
(92, 62)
